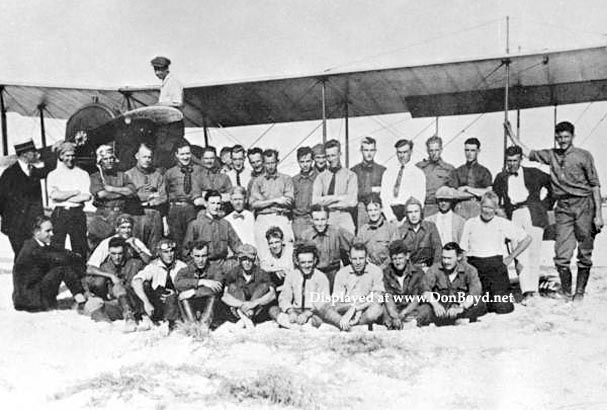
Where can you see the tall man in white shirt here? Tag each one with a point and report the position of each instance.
(69, 187)
(449, 224)
(399, 184)
(483, 240)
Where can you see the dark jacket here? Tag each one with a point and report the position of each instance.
(534, 179)
(20, 199)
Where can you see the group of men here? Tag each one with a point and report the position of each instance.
(212, 240)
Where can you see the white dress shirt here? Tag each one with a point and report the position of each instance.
(156, 272)
(245, 177)
(517, 191)
(484, 239)
(63, 178)
(171, 92)
(244, 227)
(412, 184)
(444, 224)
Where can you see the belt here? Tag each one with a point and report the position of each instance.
(110, 208)
(181, 203)
(68, 208)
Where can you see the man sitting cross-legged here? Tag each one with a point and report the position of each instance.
(248, 291)
(455, 282)
(405, 286)
(357, 294)
(199, 286)
(303, 288)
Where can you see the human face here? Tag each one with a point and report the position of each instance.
(471, 152)
(368, 151)
(246, 263)
(69, 159)
(44, 233)
(414, 214)
(124, 230)
(30, 157)
(161, 72)
(373, 212)
(226, 159)
(403, 154)
(167, 255)
(399, 261)
(275, 245)
(270, 164)
(117, 255)
(214, 205)
(256, 162)
(208, 160)
(513, 163)
(358, 259)
(238, 160)
(108, 162)
(444, 205)
(305, 163)
(333, 157)
(450, 259)
(306, 263)
(237, 200)
(320, 160)
(564, 139)
(434, 151)
(144, 158)
(200, 257)
(488, 209)
(184, 155)
(319, 220)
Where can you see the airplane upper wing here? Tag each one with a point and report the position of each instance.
(455, 88)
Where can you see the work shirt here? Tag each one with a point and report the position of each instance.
(63, 178)
(148, 182)
(369, 178)
(126, 271)
(217, 232)
(116, 179)
(171, 92)
(236, 281)
(572, 173)
(188, 277)
(303, 185)
(268, 187)
(296, 288)
(244, 225)
(158, 273)
(174, 182)
(472, 174)
(377, 237)
(465, 281)
(356, 287)
(437, 175)
(346, 184)
(330, 243)
(485, 239)
(412, 282)
(217, 181)
(412, 184)
(424, 244)
(102, 251)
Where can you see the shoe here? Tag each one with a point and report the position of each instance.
(145, 324)
(129, 326)
(283, 321)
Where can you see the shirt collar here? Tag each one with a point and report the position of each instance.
(41, 243)
(309, 175)
(275, 176)
(377, 225)
(24, 166)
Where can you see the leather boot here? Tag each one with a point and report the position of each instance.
(582, 280)
(206, 318)
(565, 275)
(187, 310)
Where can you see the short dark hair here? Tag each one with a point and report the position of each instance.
(403, 142)
(473, 141)
(368, 140)
(514, 150)
(212, 193)
(319, 208)
(358, 246)
(198, 245)
(270, 153)
(564, 126)
(372, 198)
(274, 232)
(453, 246)
(435, 139)
(305, 247)
(397, 247)
(254, 151)
(237, 148)
(181, 144)
(303, 151)
(333, 144)
(225, 150)
(116, 242)
(209, 148)
(38, 221)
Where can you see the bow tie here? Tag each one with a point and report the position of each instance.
(514, 174)
(238, 216)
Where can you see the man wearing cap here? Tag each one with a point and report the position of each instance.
(320, 158)
(377, 233)
(437, 173)
(154, 286)
(248, 291)
(111, 190)
(369, 175)
(210, 227)
(336, 188)
(69, 190)
(151, 191)
(400, 184)
(449, 224)
(20, 195)
(171, 90)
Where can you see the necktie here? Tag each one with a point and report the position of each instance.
(399, 179)
(331, 190)
(187, 178)
(238, 178)
(303, 292)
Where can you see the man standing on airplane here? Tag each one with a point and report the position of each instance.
(171, 90)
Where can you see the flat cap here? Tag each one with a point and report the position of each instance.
(24, 147)
(160, 61)
(444, 192)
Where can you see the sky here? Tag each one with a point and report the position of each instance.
(110, 43)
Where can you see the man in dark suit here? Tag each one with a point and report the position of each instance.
(519, 189)
(39, 270)
(20, 195)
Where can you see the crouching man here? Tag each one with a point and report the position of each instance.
(357, 295)
(453, 285)
(248, 292)
(303, 289)
(111, 285)
(199, 286)
(405, 287)
(39, 270)
(154, 286)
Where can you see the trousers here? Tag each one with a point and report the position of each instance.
(494, 279)
(70, 222)
(574, 227)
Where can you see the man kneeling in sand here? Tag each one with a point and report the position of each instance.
(357, 295)
(303, 287)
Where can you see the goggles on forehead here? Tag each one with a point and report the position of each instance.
(167, 246)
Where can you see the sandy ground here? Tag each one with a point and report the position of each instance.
(551, 355)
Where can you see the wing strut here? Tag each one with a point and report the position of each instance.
(3, 117)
